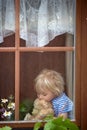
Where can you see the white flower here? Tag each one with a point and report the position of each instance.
(4, 100)
(11, 105)
(7, 113)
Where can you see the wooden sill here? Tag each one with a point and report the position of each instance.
(22, 124)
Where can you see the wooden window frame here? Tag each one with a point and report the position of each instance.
(17, 49)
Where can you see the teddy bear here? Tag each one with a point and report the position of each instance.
(41, 109)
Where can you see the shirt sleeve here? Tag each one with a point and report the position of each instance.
(65, 105)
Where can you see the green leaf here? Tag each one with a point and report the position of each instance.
(67, 123)
(71, 126)
(37, 125)
(48, 117)
(49, 126)
(61, 128)
(59, 123)
(25, 107)
(6, 128)
(22, 108)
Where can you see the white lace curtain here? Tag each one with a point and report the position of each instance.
(40, 20)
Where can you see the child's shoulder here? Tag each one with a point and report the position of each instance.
(61, 98)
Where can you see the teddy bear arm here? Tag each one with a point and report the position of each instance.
(44, 113)
(28, 116)
(35, 112)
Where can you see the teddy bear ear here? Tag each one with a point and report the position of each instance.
(36, 100)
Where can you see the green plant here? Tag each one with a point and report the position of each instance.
(26, 106)
(6, 128)
(58, 123)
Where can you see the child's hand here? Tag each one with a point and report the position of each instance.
(64, 115)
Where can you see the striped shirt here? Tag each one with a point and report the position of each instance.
(62, 104)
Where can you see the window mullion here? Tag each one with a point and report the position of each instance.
(17, 59)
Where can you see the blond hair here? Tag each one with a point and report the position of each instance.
(51, 80)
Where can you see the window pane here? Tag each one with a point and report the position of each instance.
(7, 86)
(33, 62)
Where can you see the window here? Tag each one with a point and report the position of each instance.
(22, 58)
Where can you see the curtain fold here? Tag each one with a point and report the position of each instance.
(7, 18)
(40, 20)
(1, 28)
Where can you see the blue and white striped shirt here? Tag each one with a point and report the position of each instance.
(62, 104)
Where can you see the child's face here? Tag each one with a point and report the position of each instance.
(46, 95)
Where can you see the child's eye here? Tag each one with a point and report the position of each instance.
(44, 94)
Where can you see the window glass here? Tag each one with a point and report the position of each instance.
(7, 86)
(34, 62)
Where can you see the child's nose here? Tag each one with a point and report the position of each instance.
(40, 96)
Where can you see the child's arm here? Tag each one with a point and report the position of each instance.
(63, 114)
